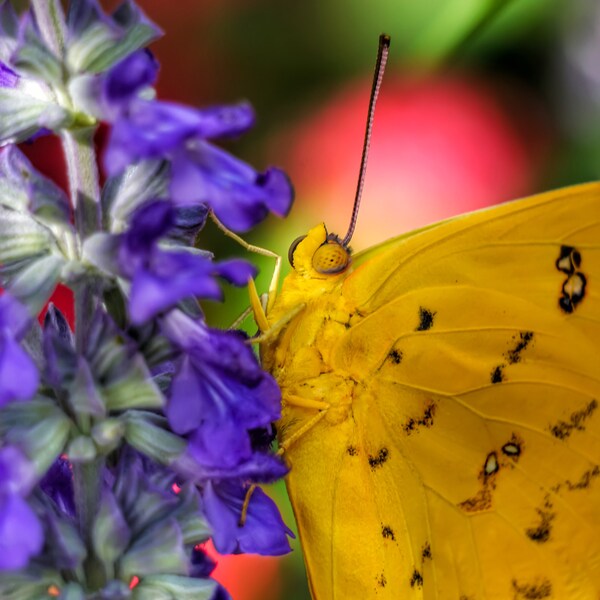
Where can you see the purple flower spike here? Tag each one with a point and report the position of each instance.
(263, 532)
(19, 377)
(21, 534)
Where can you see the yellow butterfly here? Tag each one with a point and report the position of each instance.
(441, 410)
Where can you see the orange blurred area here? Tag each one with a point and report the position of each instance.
(247, 576)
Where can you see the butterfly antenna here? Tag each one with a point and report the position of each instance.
(382, 54)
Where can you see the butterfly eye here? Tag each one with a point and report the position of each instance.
(331, 258)
(293, 247)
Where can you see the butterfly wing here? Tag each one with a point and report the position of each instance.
(460, 456)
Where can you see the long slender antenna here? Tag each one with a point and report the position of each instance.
(382, 54)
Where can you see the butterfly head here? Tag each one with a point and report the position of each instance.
(319, 253)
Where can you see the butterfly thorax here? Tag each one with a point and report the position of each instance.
(299, 357)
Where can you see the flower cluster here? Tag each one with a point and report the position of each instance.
(127, 440)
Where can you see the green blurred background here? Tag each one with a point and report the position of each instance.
(483, 101)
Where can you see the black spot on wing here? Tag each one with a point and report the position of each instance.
(523, 340)
(425, 420)
(537, 590)
(573, 288)
(425, 319)
(352, 451)
(381, 580)
(377, 461)
(388, 533)
(583, 483)
(563, 429)
(426, 551)
(542, 531)
(497, 374)
(416, 579)
(395, 356)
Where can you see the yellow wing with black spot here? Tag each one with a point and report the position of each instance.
(460, 455)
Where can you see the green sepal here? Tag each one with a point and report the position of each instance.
(84, 396)
(110, 532)
(98, 44)
(122, 194)
(21, 236)
(134, 390)
(194, 527)
(29, 584)
(81, 449)
(36, 282)
(23, 114)
(25, 189)
(174, 587)
(158, 549)
(108, 434)
(38, 427)
(149, 434)
(35, 58)
(72, 591)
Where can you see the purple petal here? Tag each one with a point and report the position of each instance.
(17, 473)
(220, 443)
(148, 224)
(239, 196)
(14, 317)
(236, 271)
(171, 277)
(264, 531)
(156, 129)
(19, 377)
(259, 468)
(128, 77)
(8, 78)
(21, 534)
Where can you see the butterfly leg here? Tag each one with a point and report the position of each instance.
(303, 403)
(270, 298)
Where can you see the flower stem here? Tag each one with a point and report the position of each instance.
(87, 490)
(78, 147)
(51, 23)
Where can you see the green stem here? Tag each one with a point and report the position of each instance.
(78, 147)
(87, 488)
(51, 22)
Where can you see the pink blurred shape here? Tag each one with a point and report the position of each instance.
(440, 147)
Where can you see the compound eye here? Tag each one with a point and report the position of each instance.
(330, 258)
(293, 247)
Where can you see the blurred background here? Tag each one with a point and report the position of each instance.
(483, 101)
